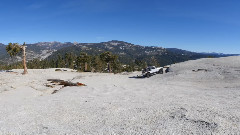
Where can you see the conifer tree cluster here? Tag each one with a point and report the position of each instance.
(105, 62)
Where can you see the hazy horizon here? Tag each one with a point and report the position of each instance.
(134, 44)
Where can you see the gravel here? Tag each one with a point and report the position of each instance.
(196, 97)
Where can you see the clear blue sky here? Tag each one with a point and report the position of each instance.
(195, 25)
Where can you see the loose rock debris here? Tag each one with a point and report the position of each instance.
(200, 70)
(180, 115)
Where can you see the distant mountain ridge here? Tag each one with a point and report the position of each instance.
(3, 53)
(40, 50)
(127, 52)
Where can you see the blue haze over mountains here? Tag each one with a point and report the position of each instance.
(127, 52)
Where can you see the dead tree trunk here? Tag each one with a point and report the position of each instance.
(24, 60)
(109, 68)
(85, 66)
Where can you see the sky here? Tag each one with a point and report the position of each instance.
(194, 25)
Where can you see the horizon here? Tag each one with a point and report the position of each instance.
(129, 43)
(197, 26)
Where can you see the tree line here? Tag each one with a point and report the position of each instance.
(104, 62)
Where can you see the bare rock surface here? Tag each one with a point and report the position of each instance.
(195, 97)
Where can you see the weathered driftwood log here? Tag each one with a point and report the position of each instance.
(55, 80)
(65, 83)
(55, 91)
(62, 83)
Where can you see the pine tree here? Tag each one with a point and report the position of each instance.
(14, 49)
(83, 58)
(97, 64)
(109, 58)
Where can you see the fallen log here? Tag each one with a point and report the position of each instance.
(54, 82)
(65, 83)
